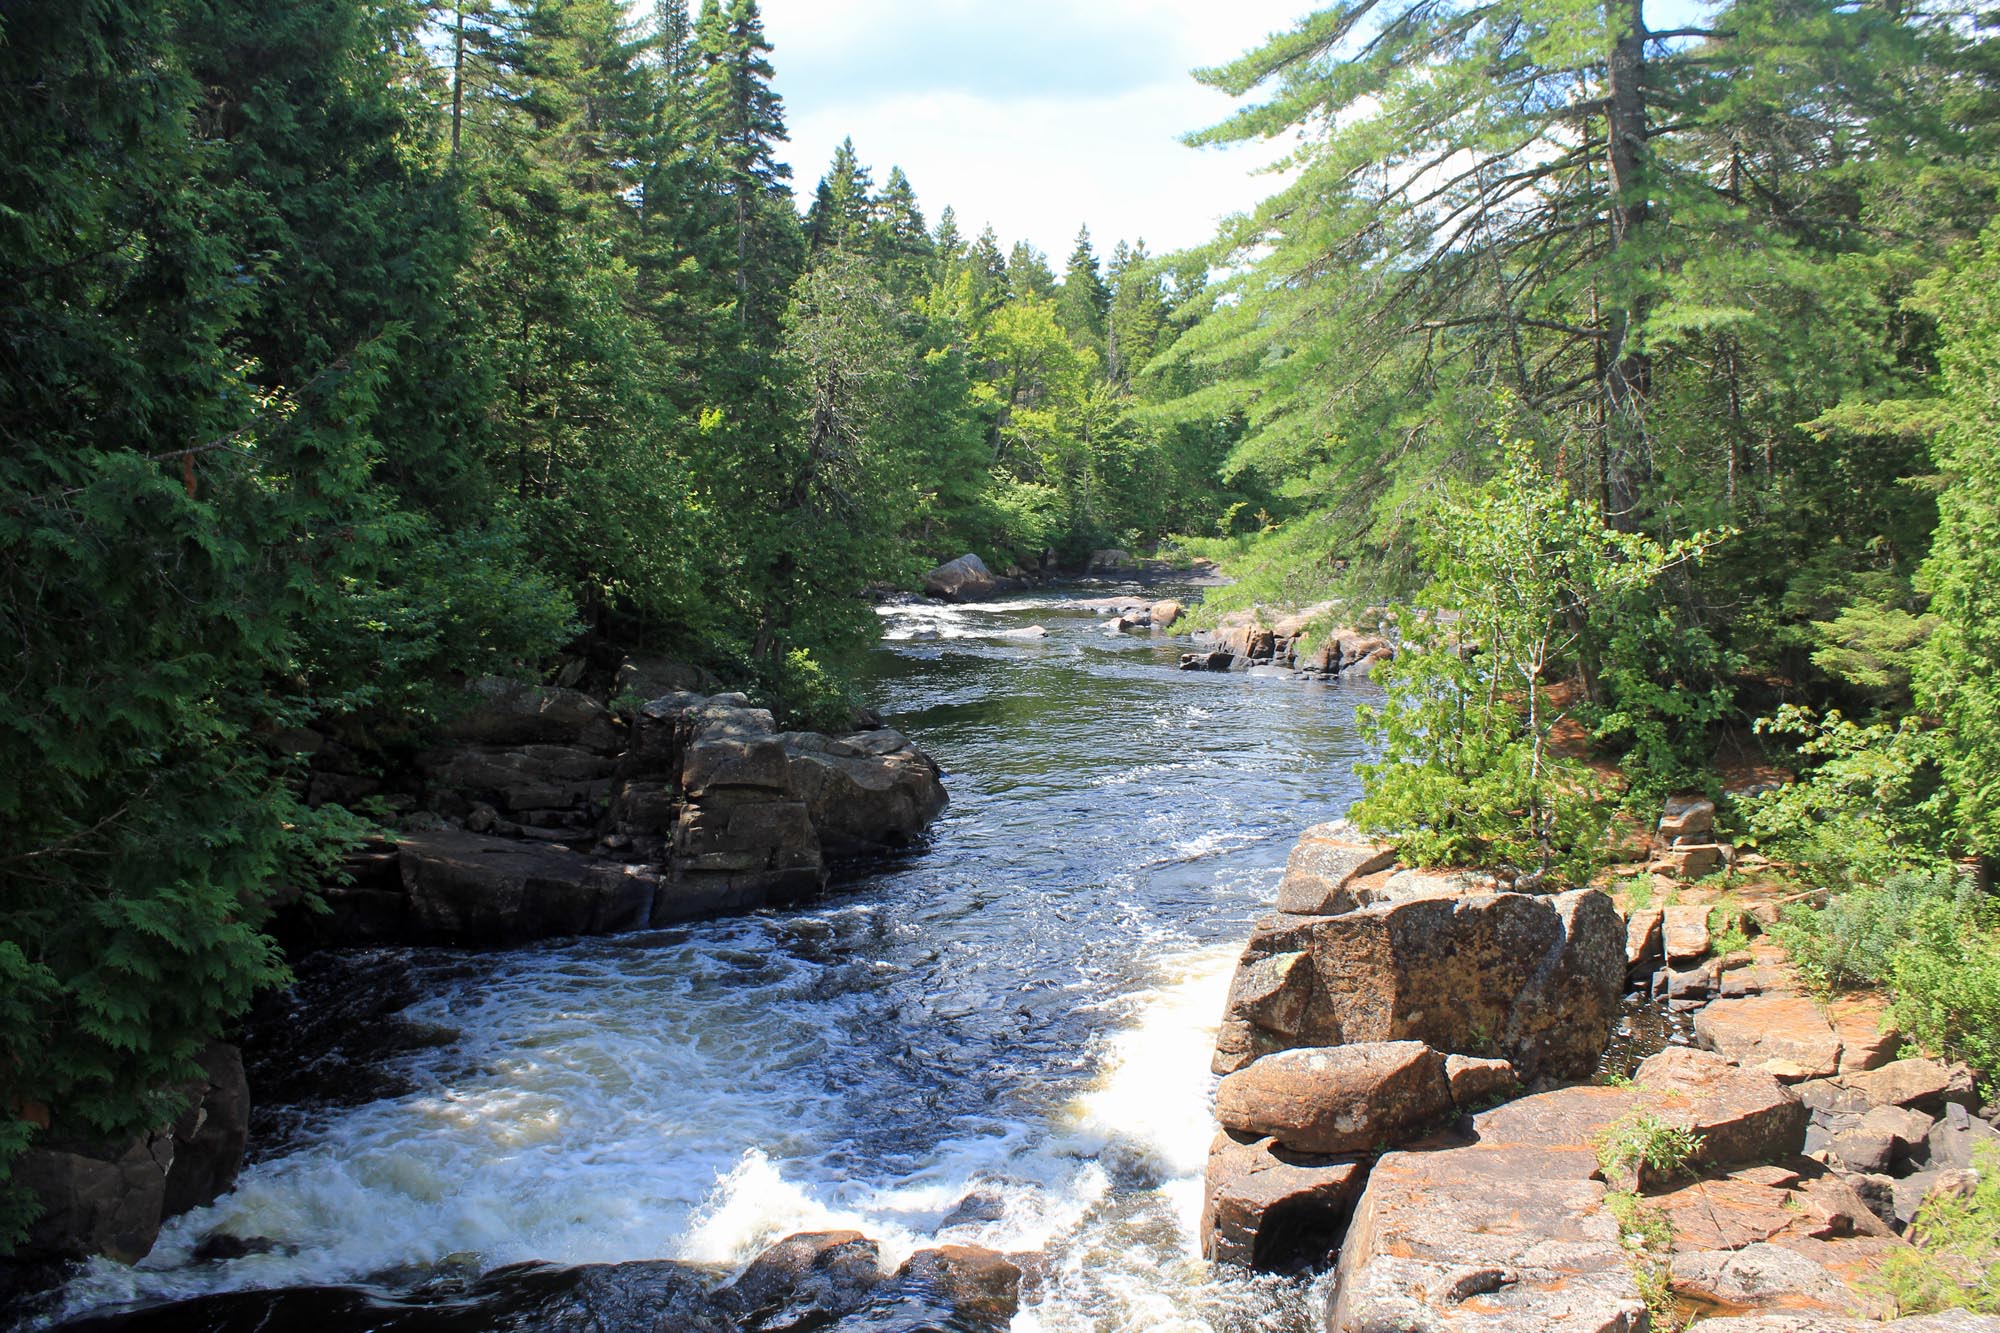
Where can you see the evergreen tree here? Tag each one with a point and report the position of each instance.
(1138, 315)
(988, 266)
(743, 117)
(1028, 274)
(902, 242)
(843, 215)
(1085, 304)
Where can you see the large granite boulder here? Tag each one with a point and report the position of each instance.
(211, 1135)
(806, 1281)
(867, 792)
(95, 1199)
(1338, 1099)
(109, 1199)
(1534, 980)
(1783, 1034)
(1740, 1115)
(470, 889)
(966, 579)
(1266, 1206)
(497, 711)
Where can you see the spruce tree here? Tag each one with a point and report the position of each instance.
(1085, 303)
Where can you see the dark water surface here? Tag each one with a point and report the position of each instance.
(1002, 1040)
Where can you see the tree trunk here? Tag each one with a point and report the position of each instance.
(1628, 378)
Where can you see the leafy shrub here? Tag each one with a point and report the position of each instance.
(1954, 1261)
(1869, 804)
(1931, 938)
(1641, 1144)
(1468, 775)
(805, 695)
(1646, 1234)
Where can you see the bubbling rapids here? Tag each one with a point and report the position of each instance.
(1001, 1040)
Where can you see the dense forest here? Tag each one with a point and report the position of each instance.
(353, 347)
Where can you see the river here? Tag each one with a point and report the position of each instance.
(1000, 1040)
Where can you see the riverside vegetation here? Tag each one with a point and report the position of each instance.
(355, 347)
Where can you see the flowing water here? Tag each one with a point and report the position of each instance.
(1001, 1040)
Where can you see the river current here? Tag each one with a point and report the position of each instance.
(1001, 1039)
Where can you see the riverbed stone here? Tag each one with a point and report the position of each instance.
(210, 1136)
(1266, 1206)
(1528, 978)
(1741, 1115)
(1687, 819)
(1954, 1141)
(805, 1280)
(1338, 1099)
(1643, 938)
(979, 1287)
(465, 888)
(1475, 1081)
(1785, 1035)
(966, 579)
(865, 793)
(1927, 1085)
(1324, 863)
(94, 1198)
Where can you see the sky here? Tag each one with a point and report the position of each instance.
(1037, 116)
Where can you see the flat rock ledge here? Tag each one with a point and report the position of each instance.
(1376, 1042)
(544, 812)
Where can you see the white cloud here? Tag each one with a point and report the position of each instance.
(1035, 115)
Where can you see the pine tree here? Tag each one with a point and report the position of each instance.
(744, 117)
(988, 267)
(1137, 320)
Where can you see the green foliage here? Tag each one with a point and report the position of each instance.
(1467, 774)
(1646, 1234)
(1958, 667)
(1953, 1261)
(1640, 1145)
(1931, 938)
(1870, 804)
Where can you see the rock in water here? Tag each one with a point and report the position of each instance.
(1265, 1206)
(1534, 980)
(965, 579)
(1338, 1099)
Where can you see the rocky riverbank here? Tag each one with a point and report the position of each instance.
(546, 811)
(538, 811)
(1405, 1056)
(808, 1281)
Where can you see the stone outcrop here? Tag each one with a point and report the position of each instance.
(1323, 867)
(1338, 1099)
(1246, 639)
(111, 1199)
(821, 1280)
(966, 579)
(1534, 980)
(546, 813)
(1507, 1238)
